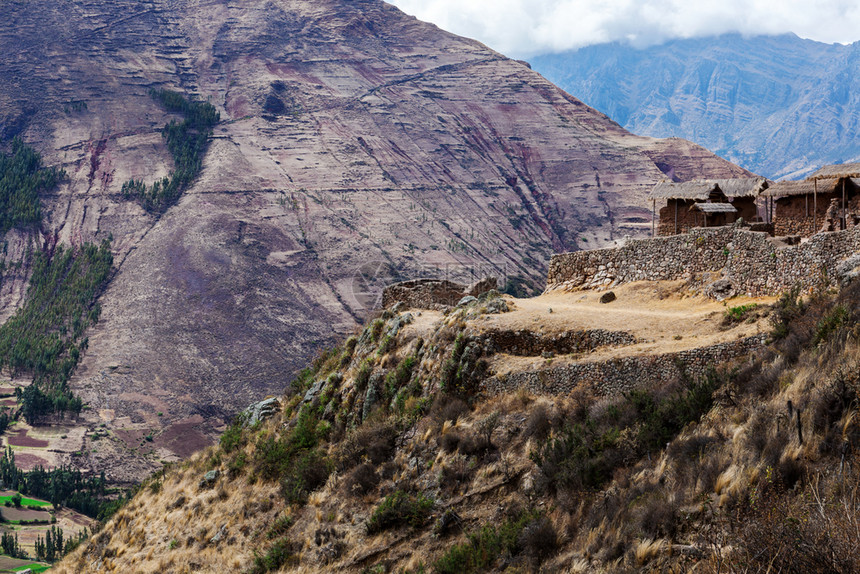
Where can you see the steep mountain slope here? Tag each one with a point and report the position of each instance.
(393, 462)
(356, 145)
(778, 105)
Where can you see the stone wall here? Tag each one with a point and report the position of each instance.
(752, 262)
(423, 293)
(623, 374)
(528, 343)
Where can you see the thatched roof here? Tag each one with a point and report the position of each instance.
(805, 187)
(742, 186)
(715, 208)
(702, 189)
(839, 170)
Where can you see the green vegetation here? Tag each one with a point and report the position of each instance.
(17, 500)
(485, 547)
(62, 486)
(584, 454)
(22, 177)
(829, 323)
(400, 509)
(294, 459)
(463, 369)
(10, 547)
(187, 142)
(739, 313)
(52, 547)
(276, 556)
(45, 337)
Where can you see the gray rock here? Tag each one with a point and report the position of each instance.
(466, 300)
(848, 270)
(482, 286)
(313, 392)
(219, 536)
(497, 306)
(720, 289)
(261, 411)
(608, 297)
(372, 395)
(209, 479)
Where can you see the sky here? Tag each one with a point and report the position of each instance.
(523, 28)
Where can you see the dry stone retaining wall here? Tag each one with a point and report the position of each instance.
(530, 344)
(623, 374)
(753, 262)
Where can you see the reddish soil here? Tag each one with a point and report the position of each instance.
(183, 439)
(26, 461)
(21, 439)
(12, 513)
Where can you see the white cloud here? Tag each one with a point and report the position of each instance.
(521, 28)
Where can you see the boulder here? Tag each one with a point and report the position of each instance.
(497, 306)
(261, 411)
(720, 289)
(608, 297)
(209, 479)
(482, 286)
(466, 300)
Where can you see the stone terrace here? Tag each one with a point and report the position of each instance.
(752, 262)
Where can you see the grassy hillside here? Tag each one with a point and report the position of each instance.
(383, 457)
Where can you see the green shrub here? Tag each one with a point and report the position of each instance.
(307, 472)
(400, 509)
(739, 313)
(233, 437)
(787, 308)
(276, 556)
(485, 547)
(829, 323)
(363, 376)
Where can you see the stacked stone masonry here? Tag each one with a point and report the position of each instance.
(753, 262)
(621, 375)
(530, 344)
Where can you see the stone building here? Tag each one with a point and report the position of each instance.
(807, 207)
(705, 203)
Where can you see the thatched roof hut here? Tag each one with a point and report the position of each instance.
(702, 189)
(842, 170)
(716, 201)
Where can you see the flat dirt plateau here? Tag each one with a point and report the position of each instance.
(662, 317)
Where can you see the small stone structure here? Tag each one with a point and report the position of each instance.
(706, 203)
(752, 262)
(621, 375)
(429, 293)
(801, 206)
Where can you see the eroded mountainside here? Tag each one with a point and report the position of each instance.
(356, 145)
(778, 105)
(406, 452)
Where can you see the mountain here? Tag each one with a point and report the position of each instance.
(356, 145)
(781, 106)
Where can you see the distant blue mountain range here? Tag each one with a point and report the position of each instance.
(777, 105)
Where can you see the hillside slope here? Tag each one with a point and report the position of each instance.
(392, 457)
(356, 145)
(780, 106)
